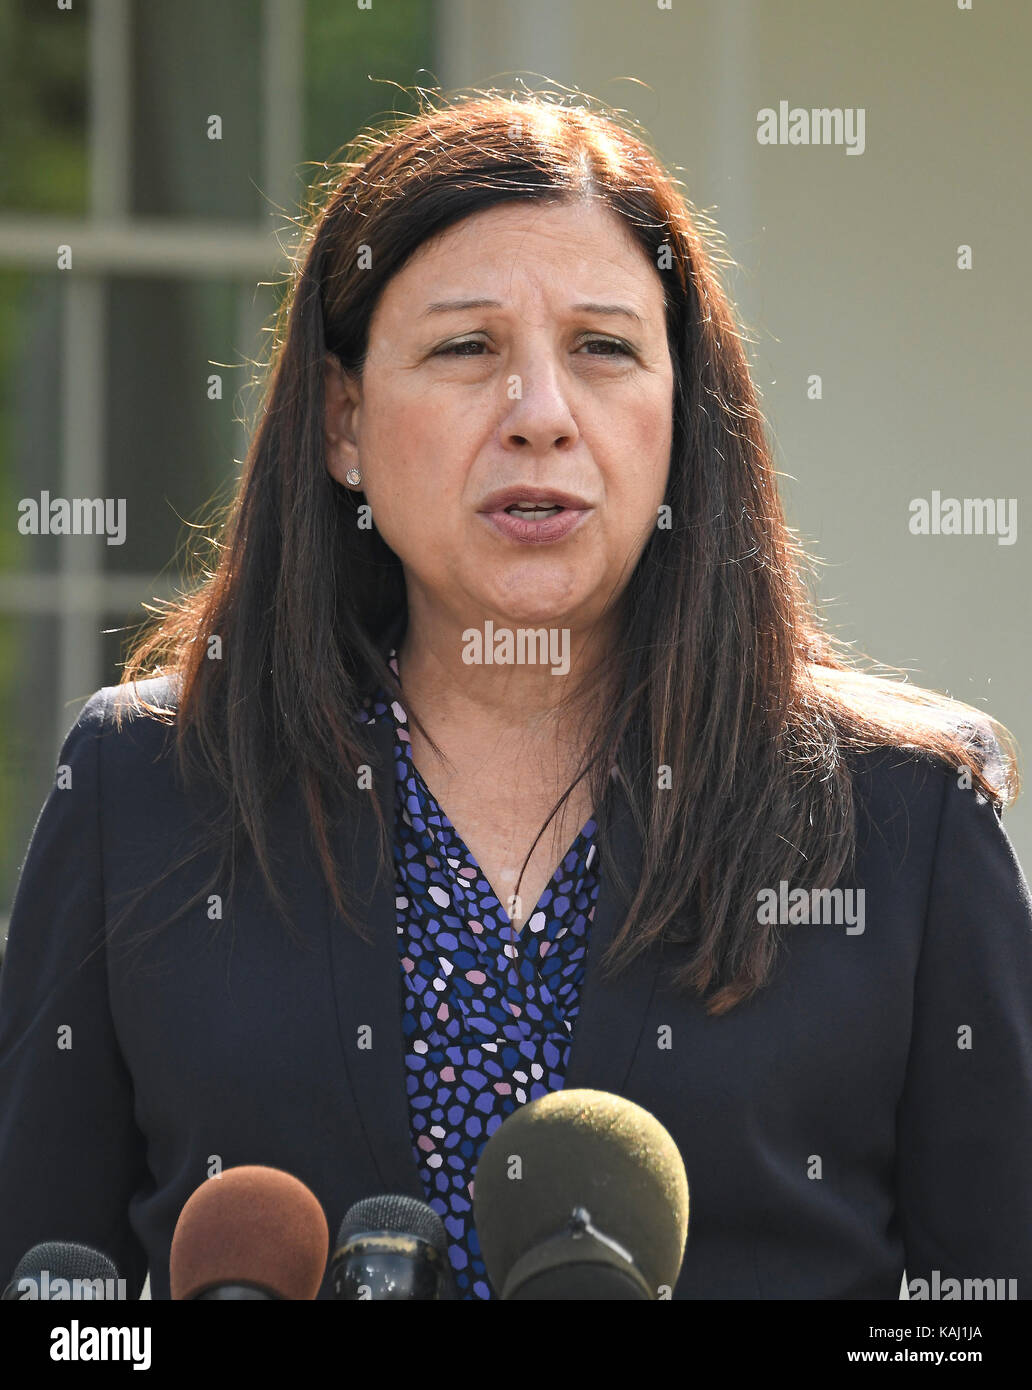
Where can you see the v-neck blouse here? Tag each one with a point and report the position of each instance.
(487, 1020)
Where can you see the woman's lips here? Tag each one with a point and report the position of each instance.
(549, 528)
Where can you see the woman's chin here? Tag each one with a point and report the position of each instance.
(537, 593)
(502, 617)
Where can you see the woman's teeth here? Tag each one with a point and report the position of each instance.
(532, 513)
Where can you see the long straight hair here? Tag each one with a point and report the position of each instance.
(729, 689)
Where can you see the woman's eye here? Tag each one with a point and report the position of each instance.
(454, 349)
(458, 349)
(621, 348)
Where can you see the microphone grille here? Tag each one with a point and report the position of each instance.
(397, 1214)
(64, 1260)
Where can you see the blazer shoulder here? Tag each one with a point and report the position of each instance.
(134, 723)
(146, 699)
(898, 797)
(903, 797)
(889, 777)
(909, 771)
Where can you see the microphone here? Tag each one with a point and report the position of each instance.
(62, 1270)
(254, 1233)
(391, 1248)
(581, 1195)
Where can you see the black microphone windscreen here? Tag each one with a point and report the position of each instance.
(61, 1269)
(396, 1213)
(64, 1260)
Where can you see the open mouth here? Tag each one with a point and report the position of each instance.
(533, 521)
(537, 513)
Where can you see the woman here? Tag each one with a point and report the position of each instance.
(501, 752)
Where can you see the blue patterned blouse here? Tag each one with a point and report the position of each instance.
(487, 1020)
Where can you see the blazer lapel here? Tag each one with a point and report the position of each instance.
(608, 1028)
(367, 980)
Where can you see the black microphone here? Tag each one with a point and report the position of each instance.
(581, 1195)
(59, 1270)
(391, 1248)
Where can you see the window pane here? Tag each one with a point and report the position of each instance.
(43, 74)
(344, 48)
(28, 743)
(31, 383)
(193, 60)
(169, 447)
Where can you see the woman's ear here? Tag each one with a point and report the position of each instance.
(343, 396)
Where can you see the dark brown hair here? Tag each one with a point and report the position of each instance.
(728, 678)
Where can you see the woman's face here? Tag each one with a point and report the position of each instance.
(560, 380)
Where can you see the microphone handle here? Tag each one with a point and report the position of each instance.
(364, 1271)
(235, 1293)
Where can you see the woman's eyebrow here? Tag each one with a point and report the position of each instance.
(444, 306)
(624, 309)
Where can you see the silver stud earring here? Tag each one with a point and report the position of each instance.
(353, 476)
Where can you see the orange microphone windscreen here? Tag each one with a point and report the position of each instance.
(255, 1226)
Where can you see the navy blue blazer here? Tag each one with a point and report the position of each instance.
(870, 1110)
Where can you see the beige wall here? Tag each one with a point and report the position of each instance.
(847, 269)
